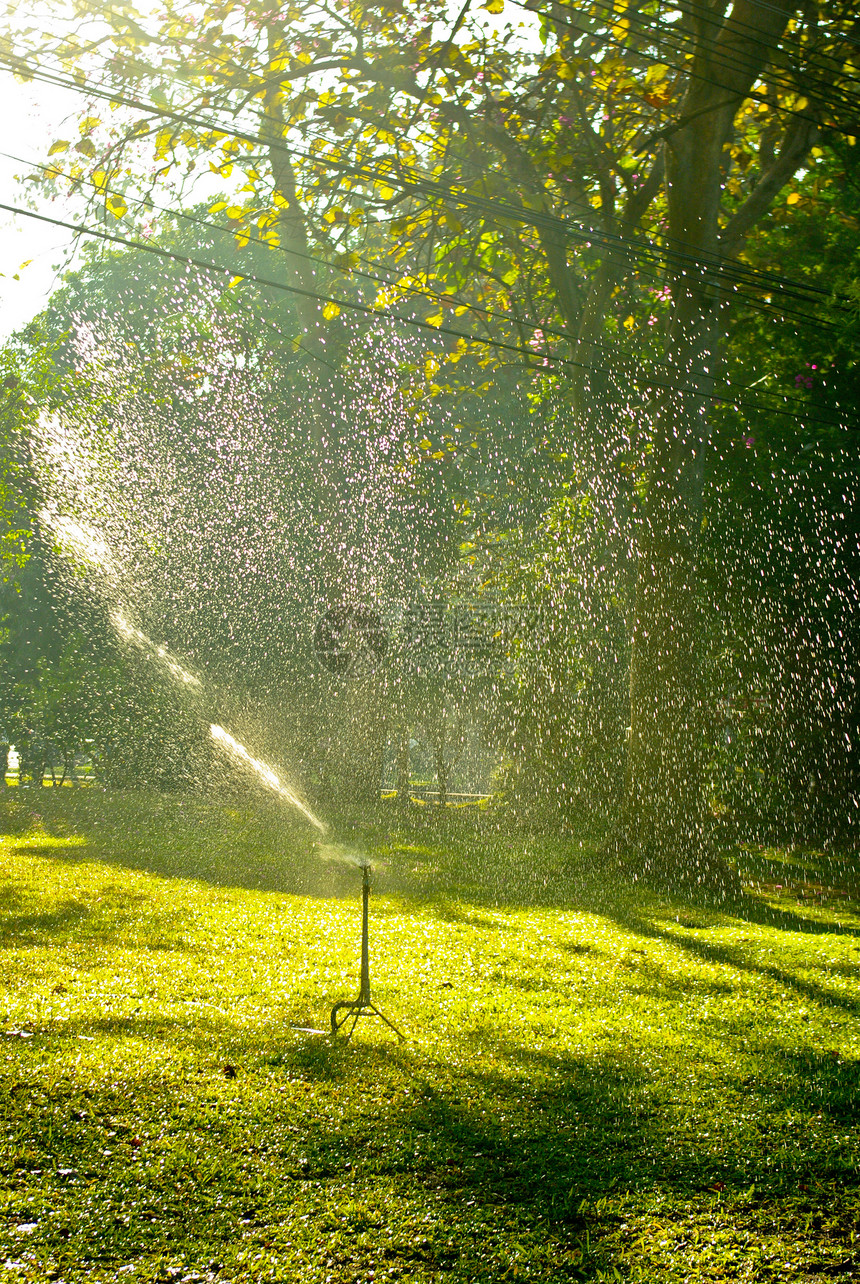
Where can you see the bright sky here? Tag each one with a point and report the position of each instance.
(31, 114)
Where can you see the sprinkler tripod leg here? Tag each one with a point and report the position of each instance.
(401, 1036)
(362, 1006)
(341, 1013)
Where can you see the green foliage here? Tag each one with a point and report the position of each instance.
(557, 705)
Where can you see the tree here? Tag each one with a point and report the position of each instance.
(548, 192)
(188, 434)
(781, 551)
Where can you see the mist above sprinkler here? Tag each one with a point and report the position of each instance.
(363, 1005)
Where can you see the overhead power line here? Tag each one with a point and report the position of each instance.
(516, 321)
(702, 11)
(636, 249)
(722, 397)
(650, 29)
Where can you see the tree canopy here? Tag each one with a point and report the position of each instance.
(603, 204)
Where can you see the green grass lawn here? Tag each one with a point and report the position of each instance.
(598, 1084)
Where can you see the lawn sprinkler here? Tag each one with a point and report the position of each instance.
(363, 1005)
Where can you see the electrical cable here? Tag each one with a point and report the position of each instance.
(645, 30)
(635, 249)
(721, 59)
(722, 265)
(593, 233)
(707, 15)
(770, 308)
(751, 300)
(731, 268)
(719, 23)
(729, 261)
(422, 292)
(721, 398)
(416, 292)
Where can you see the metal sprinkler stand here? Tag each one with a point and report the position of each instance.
(363, 1005)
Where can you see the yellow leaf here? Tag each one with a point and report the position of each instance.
(494, 6)
(386, 192)
(219, 205)
(116, 205)
(234, 211)
(425, 445)
(61, 145)
(435, 320)
(88, 123)
(331, 310)
(99, 180)
(655, 73)
(163, 141)
(793, 198)
(629, 323)
(281, 201)
(85, 147)
(235, 280)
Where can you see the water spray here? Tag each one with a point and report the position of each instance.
(176, 671)
(363, 1005)
(88, 544)
(263, 772)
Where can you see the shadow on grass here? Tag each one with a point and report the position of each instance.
(21, 924)
(174, 836)
(458, 868)
(59, 924)
(545, 1152)
(735, 958)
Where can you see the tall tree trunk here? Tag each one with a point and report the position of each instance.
(664, 818)
(403, 765)
(441, 762)
(664, 813)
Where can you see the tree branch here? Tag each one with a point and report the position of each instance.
(799, 137)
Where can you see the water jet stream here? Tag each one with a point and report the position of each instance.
(86, 543)
(219, 734)
(263, 771)
(129, 633)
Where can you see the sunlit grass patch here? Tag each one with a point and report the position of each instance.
(598, 1082)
